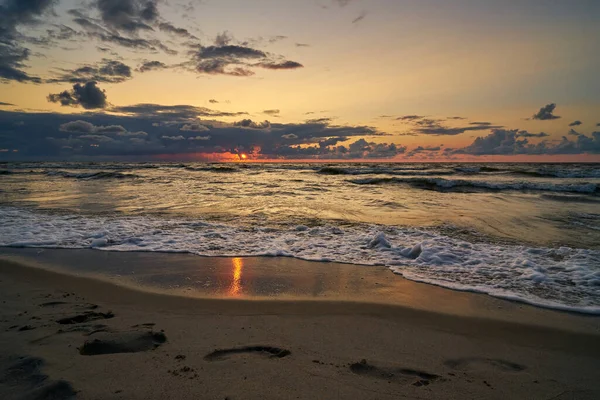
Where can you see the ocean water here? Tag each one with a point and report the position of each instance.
(527, 232)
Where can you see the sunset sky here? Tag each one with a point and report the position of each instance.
(399, 80)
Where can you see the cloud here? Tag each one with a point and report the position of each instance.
(119, 134)
(546, 113)
(213, 101)
(508, 142)
(434, 127)
(360, 17)
(108, 34)
(15, 13)
(248, 123)
(5, 104)
(128, 16)
(105, 71)
(224, 58)
(174, 113)
(456, 118)
(88, 96)
(302, 45)
(575, 123)
(80, 126)
(573, 132)
(410, 117)
(170, 28)
(229, 52)
(421, 149)
(272, 112)
(280, 65)
(531, 135)
(194, 128)
(151, 66)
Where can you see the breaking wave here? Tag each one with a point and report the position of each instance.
(562, 278)
(462, 184)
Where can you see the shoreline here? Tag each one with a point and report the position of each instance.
(144, 344)
(286, 279)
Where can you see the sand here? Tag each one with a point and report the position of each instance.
(64, 336)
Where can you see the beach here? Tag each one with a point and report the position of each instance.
(76, 334)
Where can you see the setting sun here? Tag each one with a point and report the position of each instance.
(243, 156)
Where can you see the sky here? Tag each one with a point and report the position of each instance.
(222, 80)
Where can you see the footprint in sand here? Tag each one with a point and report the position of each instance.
(269, 351)
(85, 317)
(122, 342)
(495, 363)
(21, 378)
(396, 374)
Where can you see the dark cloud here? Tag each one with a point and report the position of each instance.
(360, 17)
(194, 128)
(302, 45)
(272, 112)
(434, 127)
(575, 123)
(410, 117)
(421, 149)
(15, 13)
(280, 65)
(456, 118)
(170, 28)
(107, 34)
(213, 101)
(573, 132)
(151, 66)
(105, 71)
(531, 135)
(5, 104)
(508, 142)
(143, 134)
(546, 113)
(229, 52)
(220, 67)
(128, 16)
(173, 113)
(88, 96)
(248, 123)
(224, 58)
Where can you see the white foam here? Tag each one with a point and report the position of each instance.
(562, 278)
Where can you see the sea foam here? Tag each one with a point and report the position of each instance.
(562, 278)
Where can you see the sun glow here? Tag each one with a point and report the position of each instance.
(243, 156)
(236, 282)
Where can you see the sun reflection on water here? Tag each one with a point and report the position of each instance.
(236, 283)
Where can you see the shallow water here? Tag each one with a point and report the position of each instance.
(524, 231)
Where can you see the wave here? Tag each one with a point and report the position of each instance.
(92, 175)
(382, 171)
(221, 169)
(563, 278)
(462, 184)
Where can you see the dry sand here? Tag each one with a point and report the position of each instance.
(63, 336)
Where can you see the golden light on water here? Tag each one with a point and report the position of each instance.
(236, 283)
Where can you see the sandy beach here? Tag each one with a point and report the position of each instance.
(64, 336)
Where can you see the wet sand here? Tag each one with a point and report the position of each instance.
(276, 328)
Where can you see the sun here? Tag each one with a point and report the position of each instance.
(243, 156)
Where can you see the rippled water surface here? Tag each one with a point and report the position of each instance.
(524, 231)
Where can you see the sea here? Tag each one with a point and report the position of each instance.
(523, 232)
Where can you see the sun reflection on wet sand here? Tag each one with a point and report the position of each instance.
(236, 284)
